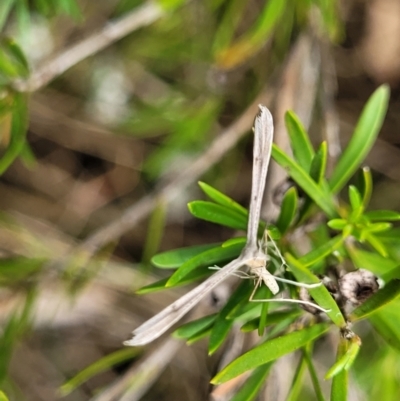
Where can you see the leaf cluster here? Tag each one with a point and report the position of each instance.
(349, 233)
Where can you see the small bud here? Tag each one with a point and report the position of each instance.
(356, 287)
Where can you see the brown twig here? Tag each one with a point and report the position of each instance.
(140, 377)
(111, 32)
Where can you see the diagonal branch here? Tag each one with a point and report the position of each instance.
(141, 16)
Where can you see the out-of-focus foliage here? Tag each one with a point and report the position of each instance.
(139, 112)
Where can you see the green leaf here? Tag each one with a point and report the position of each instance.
(3, 396)
(23, 16)
(227, 25)
(71, 8)
(355, 202)
(8, 69)
(18, 56)
(288, 210)
(18, 131)
(367, 186)
(378, 227)
(331, 20)
(322, 252)
(254, 38)
(385, 322)
(377, 264)
(192, 328)
(16, 324)
(101, 365)
(199, 335)
(390, 236)
(322, 198)
(375, 242)
(297, 383)
(222, 324)
(263, 293)
(269, 351)
(345, 361)
(28, 157)
(340, 381)
(19, 268)
(218, 214)
(205, 259)
(303, 151)
(363, 138)
(379, 215)
(384, 296)
(161, 284)
(273, 318)
(176, 257)
(5, 8)
(155, 231)
(317, 172)
(234, 241)
(313, 373)
(320, 294)
(318, 165)
(250, 389)
(169, 5)
(337, 224)
(222, 199)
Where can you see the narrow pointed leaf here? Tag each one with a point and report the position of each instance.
(18, 56)
(288, 210)
(218, 214)
(320, 294)
(254, 383)
(223, 324)
(322, 198)
(3, 397)
(273, 318)
(18, 131)
(337, 224)
(205, 259)
(341, 380)
(297, 383)
(254, 38)
(355, 200)
(381, 298)
(367, 186)
(222, 199)
(371, 261)
(347, 359)
(5, 8)
(269, 351)
(161, 284)
(313, 372)
(176, 257)
(192, 328)
(385, 322)
(322, 252)
(363, 138)
(199, 336)
(376, 243)
(99, 366)
(318, 164)
(264, 293)
(234, 241)
(382, 215)
(300, 143)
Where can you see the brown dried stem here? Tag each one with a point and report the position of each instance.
(111, 32)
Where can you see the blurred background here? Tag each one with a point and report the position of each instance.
(125, 106)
